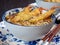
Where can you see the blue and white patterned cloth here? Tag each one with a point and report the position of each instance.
(7, 38)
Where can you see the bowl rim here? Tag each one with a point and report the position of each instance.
(4, 14)
(48, 2)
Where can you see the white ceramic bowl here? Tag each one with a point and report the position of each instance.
(48, 5)
(27, 33)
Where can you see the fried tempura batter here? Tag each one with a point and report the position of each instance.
(29, 17)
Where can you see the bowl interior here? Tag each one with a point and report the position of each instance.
(16, 10)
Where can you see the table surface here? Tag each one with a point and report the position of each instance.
(10, 4)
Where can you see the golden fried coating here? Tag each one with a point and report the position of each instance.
(45, 15)
(34, 17)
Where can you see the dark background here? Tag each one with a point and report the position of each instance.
(10, 4)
